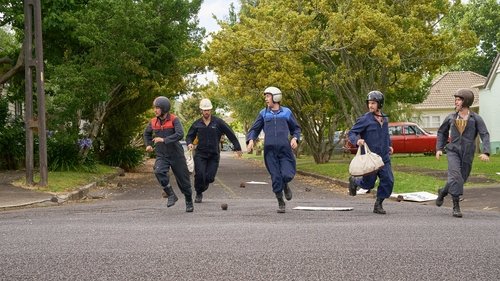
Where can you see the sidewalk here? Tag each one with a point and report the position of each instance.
(11, 197)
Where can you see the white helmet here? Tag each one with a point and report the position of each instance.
(205, 104)
(275, 92)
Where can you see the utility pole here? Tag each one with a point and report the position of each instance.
(34, 59)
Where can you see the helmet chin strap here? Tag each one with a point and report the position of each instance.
(381, 114)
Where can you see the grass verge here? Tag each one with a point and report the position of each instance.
(404, 182)
(69, 180)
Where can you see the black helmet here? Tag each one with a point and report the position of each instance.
(466, 95)
(163, 103)
(376, 96)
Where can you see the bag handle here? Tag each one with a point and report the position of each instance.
(367, 149)
(189, 153)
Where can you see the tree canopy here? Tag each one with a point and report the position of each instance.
(483, 18)
(106, 60)
(327, 55)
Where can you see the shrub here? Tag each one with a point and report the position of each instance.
(126, 158)
(12, 138)
(12, 145)
(63, 153)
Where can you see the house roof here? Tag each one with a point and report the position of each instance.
(443, 88)
(495, 69)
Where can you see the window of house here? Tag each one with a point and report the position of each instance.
(431, 121)
(426, 121)
(435, 121)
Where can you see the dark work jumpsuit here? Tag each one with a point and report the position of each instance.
(377, 138)
(460, 150)
(278, 154)
(207, 156)
(169, 154)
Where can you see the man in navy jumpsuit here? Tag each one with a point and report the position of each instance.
(164, 133)
(373, 129)
(278, 124)
(465, 126)
(209, 130)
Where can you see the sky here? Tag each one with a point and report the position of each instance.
(219, 8)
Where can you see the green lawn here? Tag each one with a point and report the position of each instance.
(403, 181)
(67, 181)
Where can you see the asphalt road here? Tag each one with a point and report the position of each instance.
(131, 235)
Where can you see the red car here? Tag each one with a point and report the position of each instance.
(408, 137)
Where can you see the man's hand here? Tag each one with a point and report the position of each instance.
(360, 142)
(149, 148)
(438, 154)
(250, 146)
(293, 143)
(484, 157)
(190, 146)
(158, 139)
(239, 153)
(391, 150)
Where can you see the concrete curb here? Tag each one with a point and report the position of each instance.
(58, 199)
(82, 192)
(28, 204)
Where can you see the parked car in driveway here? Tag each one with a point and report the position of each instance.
(408, 137)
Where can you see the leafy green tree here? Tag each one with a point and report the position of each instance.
(9, 49)
(106, 61)
(327, 55)
(483, 18)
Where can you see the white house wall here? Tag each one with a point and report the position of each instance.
(431, 119)
(489, 110)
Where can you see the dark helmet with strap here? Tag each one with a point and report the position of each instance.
(163, 103)
(376, 96)
(466, 95)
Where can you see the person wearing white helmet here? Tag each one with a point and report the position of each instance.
(463, 126)
(282, 133)
(208, 130)
(164, 132)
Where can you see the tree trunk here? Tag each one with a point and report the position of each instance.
(11, 72)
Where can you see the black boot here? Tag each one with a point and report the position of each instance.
(281, 202)
(352, 186)
(456, 207)
(288, 192)
(198, 198)
(189, 203)
(441, 195)
(172, 198)
(377, 209)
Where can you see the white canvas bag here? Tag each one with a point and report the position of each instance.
(365, 164)
(189, 160)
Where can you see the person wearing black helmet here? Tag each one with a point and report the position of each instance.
(373, 129)
(463, 126)
(282, 134)
(164, 132)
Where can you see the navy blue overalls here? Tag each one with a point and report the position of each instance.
(207, 156)
(278, 154)
(377, 138)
